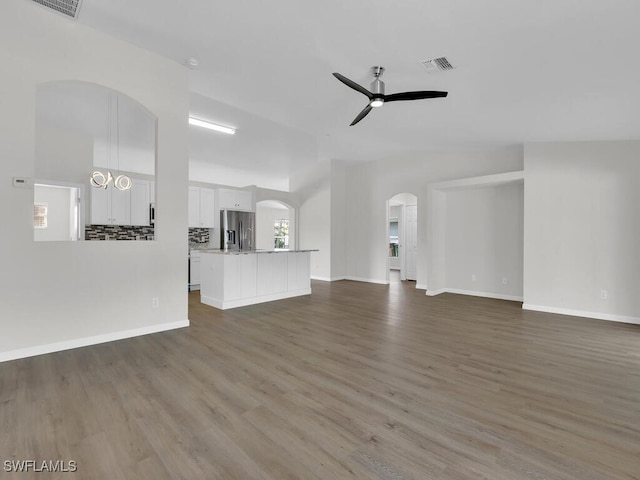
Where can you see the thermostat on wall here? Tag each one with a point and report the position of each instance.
(22, 182)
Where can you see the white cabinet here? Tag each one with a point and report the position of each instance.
(194, 270)
(194, 207)
(234, 280)
(298, 271)
(272, 273)
(229, 199)
(240, 281)
(111, 206)
(201, 207)
(207, 212)
(140, 201)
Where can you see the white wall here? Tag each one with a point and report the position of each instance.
(370, 185)
(313, 189)
(265, 219)
(582, 228)
(62, 154)
(339, 230)
(484, 239)
(56, 295)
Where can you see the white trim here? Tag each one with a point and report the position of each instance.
(242, 302)
(325, 279)
(484, 181)
(86, 341)
(497, 296)
(582, 313)
(433, 293)
(367, 280)
(420, 286)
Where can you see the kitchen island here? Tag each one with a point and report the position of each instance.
(232, 279)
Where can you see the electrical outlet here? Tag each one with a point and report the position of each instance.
(155, 302)
(473, 277)
(604, 294)
(504, 280)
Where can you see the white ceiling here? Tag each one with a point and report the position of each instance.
(540, 70)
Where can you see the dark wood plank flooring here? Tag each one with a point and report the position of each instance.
(356, 381)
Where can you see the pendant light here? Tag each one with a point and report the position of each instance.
(100, 179)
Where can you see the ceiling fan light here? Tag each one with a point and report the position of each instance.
(377, 102)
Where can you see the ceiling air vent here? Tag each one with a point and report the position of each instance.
(66, 7)
(440, 64)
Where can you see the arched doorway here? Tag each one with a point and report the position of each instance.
(276, 225)
(402, 234)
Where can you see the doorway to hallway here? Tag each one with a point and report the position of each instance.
(402, 236)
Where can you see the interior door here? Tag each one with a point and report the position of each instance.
(411, 242)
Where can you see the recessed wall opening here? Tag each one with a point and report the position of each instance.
(104, 141)
(275, 225)
(57, 215)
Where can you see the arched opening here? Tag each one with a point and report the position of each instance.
(276, 225)
(402, 235)
(83, 130)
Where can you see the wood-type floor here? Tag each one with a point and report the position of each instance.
(356, 381)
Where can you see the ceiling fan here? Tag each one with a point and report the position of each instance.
(376, 95)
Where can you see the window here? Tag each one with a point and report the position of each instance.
(281, 234)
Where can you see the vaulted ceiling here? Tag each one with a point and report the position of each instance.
(545, 70)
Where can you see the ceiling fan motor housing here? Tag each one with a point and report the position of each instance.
(377, 87)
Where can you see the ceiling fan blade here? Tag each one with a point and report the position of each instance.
(365, 111)
(354, 85)
(394, 97)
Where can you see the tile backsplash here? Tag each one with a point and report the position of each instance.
(118, 232)
(198, 235)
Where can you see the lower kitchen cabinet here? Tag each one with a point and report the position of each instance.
(235, 279)
(194, 270)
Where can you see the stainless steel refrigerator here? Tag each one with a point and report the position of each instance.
(237, 230)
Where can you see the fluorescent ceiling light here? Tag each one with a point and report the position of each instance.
(211, 126)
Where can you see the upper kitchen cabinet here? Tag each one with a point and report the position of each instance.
(140, 202)
(121, 207)
(110, 206)
(229, 199)
(201, 207)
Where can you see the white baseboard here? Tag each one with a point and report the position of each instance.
(582, 313)
(368, 280)
(85, 342)
(243, 302)
(327, 279)
(433, 293)
(420, 286)
(473, 293)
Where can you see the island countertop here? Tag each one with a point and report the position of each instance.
(218, 251)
